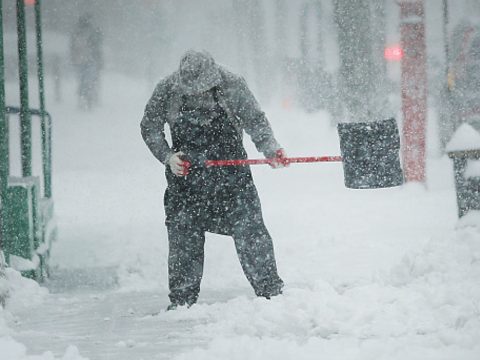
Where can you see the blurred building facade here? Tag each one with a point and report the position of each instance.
(261, 39)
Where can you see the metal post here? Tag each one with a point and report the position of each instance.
(4, 165)
(4, 170)
(25, 120)
(459, 166)
(414, 88)
(361, 84)
(445, 37)
(46, 146)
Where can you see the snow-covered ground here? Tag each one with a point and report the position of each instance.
(370, 274)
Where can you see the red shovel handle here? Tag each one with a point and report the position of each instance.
(243, 162)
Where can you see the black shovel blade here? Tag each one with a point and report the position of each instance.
(370, 152)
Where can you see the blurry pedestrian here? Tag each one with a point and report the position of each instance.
(207, 109)
(87, 60)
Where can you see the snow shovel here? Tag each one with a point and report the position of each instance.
(370, 155)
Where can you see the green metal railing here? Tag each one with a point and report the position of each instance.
(25, 120)
(46, 134)
(45, 125)
(26, 212)
(3, 136)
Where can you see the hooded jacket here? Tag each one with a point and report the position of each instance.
(199, 73)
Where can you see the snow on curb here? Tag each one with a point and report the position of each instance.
(23, 292)
(13, 350)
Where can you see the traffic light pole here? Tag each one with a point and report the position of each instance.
(414, 88)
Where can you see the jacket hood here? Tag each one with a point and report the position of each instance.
(198, 72)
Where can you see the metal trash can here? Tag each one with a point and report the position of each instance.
(467, 187)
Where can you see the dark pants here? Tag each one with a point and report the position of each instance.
(186, 254)
(220, 200)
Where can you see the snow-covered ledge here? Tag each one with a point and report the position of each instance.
(465, 142)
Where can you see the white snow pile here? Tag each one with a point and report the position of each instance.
(425, 307)
(3, 285)
(470, 223)
(473, 169)
(23, 293)
(13, 350)
(465, 138)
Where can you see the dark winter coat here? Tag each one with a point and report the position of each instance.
(216, 199)
(235, 98)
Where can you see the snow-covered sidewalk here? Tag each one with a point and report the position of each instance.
(374, 274)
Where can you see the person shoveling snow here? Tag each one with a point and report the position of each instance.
(207, 109)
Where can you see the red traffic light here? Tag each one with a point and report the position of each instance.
(29, 2)
(393, 53)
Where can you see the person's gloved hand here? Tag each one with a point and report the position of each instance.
(280, 159)
(178, 166)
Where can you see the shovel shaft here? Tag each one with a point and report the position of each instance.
(285, 161)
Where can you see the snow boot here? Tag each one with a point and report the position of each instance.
(175, 305)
